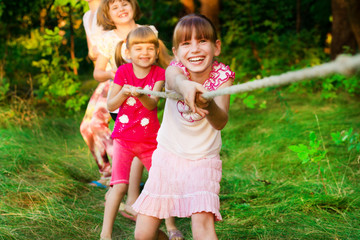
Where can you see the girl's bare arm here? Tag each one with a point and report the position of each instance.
(117, 96)
(177, 81)
(217, 108)
(100, 73)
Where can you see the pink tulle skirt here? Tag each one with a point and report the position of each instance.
(180, 187)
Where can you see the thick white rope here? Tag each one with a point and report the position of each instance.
(346, 65)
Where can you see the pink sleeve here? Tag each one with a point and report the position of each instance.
(119, 75)
(219, 75)
(181, 66)
(160, 74)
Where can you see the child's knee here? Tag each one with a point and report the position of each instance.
(146, 227)
(203, 226)
(84, 128)
(94, 125)
(120, 188)
(141, 234)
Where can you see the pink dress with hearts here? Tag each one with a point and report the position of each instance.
(186, 168)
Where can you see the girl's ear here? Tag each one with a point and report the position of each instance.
(217, 49)
(127, 53)
(174, 52)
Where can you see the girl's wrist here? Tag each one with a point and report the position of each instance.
(208, 105)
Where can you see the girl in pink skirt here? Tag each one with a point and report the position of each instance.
(184, 179)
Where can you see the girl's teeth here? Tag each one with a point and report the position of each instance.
(196, 59)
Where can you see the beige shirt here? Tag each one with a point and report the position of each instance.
(187, 134)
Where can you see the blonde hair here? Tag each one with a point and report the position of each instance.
(103, 16)
(143, 34)
(203, 27)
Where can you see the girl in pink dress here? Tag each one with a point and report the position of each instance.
(184, 179)
(94, 127)
(136, 126)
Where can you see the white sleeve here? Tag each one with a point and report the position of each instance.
(86, 22)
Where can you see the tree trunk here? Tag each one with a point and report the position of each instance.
(211, 9)
(72, 40)
(43, 14)
(353, 7)
(342, 33)
(188, 5)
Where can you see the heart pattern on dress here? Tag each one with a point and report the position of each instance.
(186, 113)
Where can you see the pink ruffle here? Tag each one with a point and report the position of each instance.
(164, 207)
(220, 73)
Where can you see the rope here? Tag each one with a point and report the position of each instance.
(346, 65)
(172, 95)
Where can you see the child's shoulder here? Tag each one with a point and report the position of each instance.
(86, 15)
(125, 67)
(219, 74)
(158, 68)
(181, 66)
(219, 66)
(159, 71)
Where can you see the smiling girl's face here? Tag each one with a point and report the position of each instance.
(121, 12)
(142, 55)
(197, 53)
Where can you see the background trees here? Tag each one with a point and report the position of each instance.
(345, 27)
(43, 48)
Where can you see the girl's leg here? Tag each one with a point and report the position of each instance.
(95, 131)
(85, 129)
(112, 204)
(134, 185)
(147, 227)
(203, 226)
(102, 135)
(120, 175)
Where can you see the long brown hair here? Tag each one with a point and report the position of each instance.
(143, 34)
(103, 16)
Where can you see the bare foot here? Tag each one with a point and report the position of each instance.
(175, 234)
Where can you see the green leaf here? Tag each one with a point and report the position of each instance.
(298, 148)
(336, 137)
(358, 147)
(312, 136)
(304, 156)
(250, 101)
(305, 160)
(263, 105)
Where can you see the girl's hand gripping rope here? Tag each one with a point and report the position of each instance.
(202, 102)
(191, 92)
(135, 93)
(126, 90)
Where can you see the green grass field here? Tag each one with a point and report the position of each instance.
(266, 191)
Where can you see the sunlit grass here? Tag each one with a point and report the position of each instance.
(266, 193)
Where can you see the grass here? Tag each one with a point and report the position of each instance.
(266, 193)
